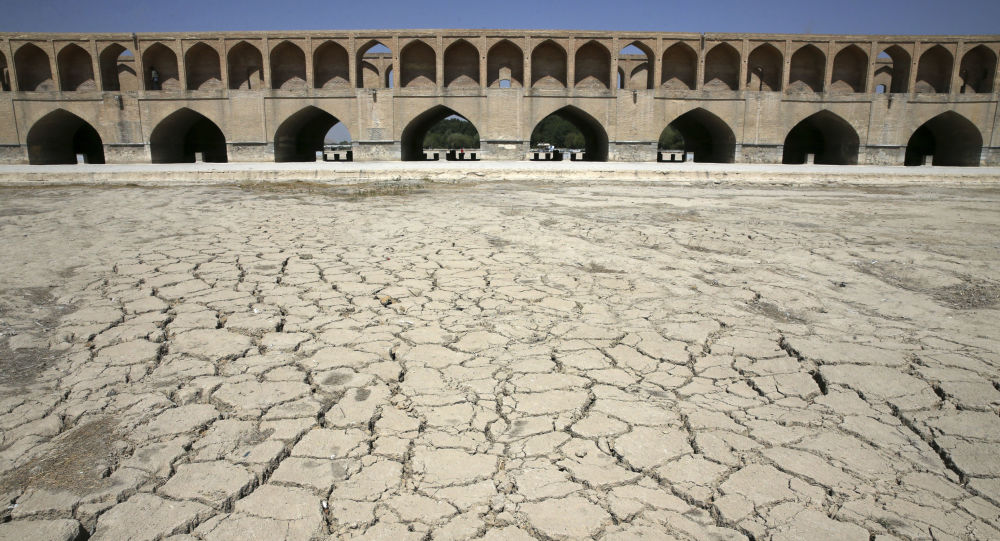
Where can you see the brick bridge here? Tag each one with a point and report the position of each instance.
(263, 96)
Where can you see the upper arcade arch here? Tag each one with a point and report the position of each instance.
(159, 64)
(850, 69)
(680, 67)
(807, 70)
(948, 139)
(764, 68)
(34, 73)
(592, 66)
(417, 65)
(201, 63)
(830, 139)
(59, 136)
(331, 66)
(76, 69)
(461, 65)
(934, 71)
(893, 75)
(117, 64)
(548, 65)
(374, 60)
(639, 58)
(288, 66)
(722, 68)
(246, 67)
(505, 62)
(185, 133)
(977, 70)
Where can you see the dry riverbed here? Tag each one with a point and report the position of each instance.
(499, 361)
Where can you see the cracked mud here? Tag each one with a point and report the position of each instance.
(500, 362)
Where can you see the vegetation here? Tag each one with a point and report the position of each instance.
(558, 132)
(671, 139)
(452, 133)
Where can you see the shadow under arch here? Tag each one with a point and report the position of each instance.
(411, 141)
(706, 135)
(182, 134)
(950, 138)
(301, 135)
(594, 136)
(828, 137)
(59, 136)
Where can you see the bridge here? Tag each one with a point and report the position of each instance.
(273, 96)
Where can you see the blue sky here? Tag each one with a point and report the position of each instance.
(791, 16)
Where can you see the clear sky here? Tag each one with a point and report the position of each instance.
(766, 16)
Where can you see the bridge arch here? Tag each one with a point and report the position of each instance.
(706, 135)
(505, 62)
(34, 73)
(722, 68)
(412, 138)
(184, 132)
(288, 66)
(461, 65)
(161, 58)
(807, 70)
(680, 67)
(59, 136)
(201, 62)
(934, 71)
(302, 134)
(977, 70)
(850, 69)
(594, 135)
(895, 76)
(331, 66)
(950, 138)
(825, 135)
(764, 68)
(592, 66)
(548, 65)
(117, 64)
(417, 65)
(76, 69)
(246, 67)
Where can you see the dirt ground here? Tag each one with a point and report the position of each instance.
(500, 361)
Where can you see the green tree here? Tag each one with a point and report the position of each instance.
(671, 139)
(452, 133)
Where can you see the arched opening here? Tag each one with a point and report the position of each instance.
(934, 71)
(59, 136)
(702, 133)
(621, 78)
(160, 65)
(330, 66)
(76, 69)
(680, 67)
(374, 59)
(548, 65)
(892, 69)
(572, 128)
(390, 77)
(807, 70)
(33, 70)
(179, 137)
(307, 132)
(118, 69)
(764, 69)
(825, 136)
(505, 62)
(635, 61)
(288, 67)
(949, 139)
(201, 63)
(593, 66)
(439, 127)
(880, 89)
(461, 65)
(977, 70)
(850, 68)
(417, 65)
(722, 68)
(4, 74)
(246, 71)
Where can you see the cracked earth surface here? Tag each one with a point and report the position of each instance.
(500, 362)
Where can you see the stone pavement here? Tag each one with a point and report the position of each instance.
(500, 362)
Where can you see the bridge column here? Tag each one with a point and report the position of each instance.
(658, 63)
(828, 75)
(956, 69)
(571, 63)
(744, 62)
(914, 62)
(95, 64)
(786, 67)
(310, 76)
(266, 60)
(615, 51)
(181, 65)
(527, 62)
(482, 61)
(439, 62)
(224, 61)
(352, 62)
(870, 73)
(700, 68)
(54, 66)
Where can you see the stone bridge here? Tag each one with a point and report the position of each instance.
(263, 96)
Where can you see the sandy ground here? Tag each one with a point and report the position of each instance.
(500, 361)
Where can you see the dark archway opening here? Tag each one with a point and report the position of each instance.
(59, 136)
(439, 128)
(185, 133)
(307, 132)
(829, 138)
(571, 128)
(705, 135)
(949, 138)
